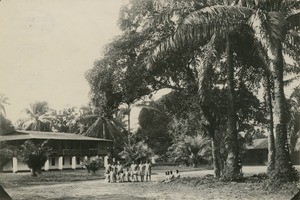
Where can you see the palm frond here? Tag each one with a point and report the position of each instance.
(276, 22)
(118, 124)
(268, 30)
(275, 5)
(30, 113)
(291, 80)
(94, 128)
(198, 28)
(28, 125)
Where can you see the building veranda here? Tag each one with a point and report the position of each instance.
(67, 150)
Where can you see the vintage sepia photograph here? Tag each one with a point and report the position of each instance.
(149, 99)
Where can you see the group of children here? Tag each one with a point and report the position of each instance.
(116, 173)
(170, 176)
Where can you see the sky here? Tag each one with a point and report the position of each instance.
(47, 46)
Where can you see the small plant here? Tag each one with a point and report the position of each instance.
(93, 164)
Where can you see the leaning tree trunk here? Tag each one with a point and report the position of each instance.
(271, 139)
(232, 170)
(283, 166)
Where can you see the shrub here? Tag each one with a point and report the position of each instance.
(6, 153)
(34, 155)
(93, 163)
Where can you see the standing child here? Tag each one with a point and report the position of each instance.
(134, 171)
(113, 173)
(107, 172)
(119, 172)
(142, 170)
(148, 170)
(127, 175)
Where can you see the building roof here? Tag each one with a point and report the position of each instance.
(261, 143)
(26, 135)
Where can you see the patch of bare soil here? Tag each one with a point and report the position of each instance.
(187, 188)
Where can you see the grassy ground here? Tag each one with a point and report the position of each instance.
(49, 177)
(193, 185)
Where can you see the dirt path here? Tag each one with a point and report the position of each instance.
(99, 189)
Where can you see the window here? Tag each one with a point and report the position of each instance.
(70, 160)
(78, 160)
(63, 159)
(53, 161)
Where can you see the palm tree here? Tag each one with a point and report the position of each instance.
(106, 127)
(194, 147)
(102, 126)
(3, 100)
(271, 22)
(39, 115)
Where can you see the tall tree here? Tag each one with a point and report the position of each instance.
(119, 76)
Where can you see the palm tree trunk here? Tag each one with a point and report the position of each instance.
(271, 139)
(283, 165)
(215, 144)
(38, 125)
(232, 170)
(103, 131)
(129, 135)
(216, 157)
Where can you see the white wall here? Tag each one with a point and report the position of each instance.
(23, 167)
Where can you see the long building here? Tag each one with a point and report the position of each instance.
(257, 153)
(67, 149)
